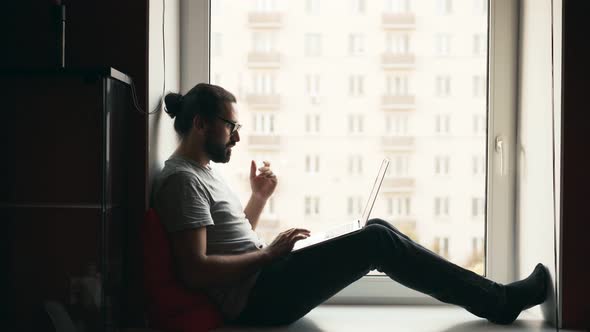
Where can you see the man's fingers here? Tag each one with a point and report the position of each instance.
(252, 169)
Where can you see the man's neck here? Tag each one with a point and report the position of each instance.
(187, 150)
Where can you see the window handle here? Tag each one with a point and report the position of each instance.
(502, 150)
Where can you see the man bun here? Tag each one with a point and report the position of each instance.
(173, 103)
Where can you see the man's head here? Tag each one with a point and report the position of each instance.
(207, 116)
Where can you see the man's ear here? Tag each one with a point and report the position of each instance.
(199, 123)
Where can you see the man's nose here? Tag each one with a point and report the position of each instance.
(236, 136)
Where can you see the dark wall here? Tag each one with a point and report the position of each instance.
(575, 247)
(99, 33)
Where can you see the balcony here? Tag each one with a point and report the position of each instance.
(397, 143)
(396, 184)
(396, 102)
(399, 21)
(264, 142)
(398, 61)
(264, 59)
(265, 19)
(263, 100)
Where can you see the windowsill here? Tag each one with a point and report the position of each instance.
(444, 318)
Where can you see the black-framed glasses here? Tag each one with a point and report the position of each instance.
(234, 126)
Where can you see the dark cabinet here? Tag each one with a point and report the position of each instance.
(63, 193)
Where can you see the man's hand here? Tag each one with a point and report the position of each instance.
(284, 242)
(263, 184)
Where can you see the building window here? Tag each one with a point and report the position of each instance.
(479, 124)
(397, 43)
(356, 44)
(441, 206)
(444, 7)
(479, 44)
(477, 207)
(358, 6)
(399, 206)
(441, 246)
(312, 7)
(442, 124)
(313, 44)
(312, 123)
(263, 83)
(356, 85)
(264, 41)
(355, 165)
(399, 166)
(397, 6)
(477, 246)
(442, 45)
(312, 206)
(396, 124)
(355, 124)
(269, 208)
(479, 86)
(480, 7)
(265, 5)
(443, 85)
(312, 164)
(397, 85)
(264, 123)
(312, 86)
(442, 165)
(354, 205)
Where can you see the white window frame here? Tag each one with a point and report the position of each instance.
(502, 111)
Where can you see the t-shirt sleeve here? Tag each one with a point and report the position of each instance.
(183, 203)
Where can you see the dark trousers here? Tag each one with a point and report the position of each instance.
(292, 286)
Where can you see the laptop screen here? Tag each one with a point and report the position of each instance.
(374, 192)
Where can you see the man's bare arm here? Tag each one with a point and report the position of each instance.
(254, 209)
(199, 270)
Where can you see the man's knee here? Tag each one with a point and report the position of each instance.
(377, 221)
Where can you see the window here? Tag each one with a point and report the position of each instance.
(264, 123)
(396, 124)
(312, 86)
(312, 123)
(264, 41)
(216, 79)
(444, 7)
(265, 5)
(355, 124)
(441, 246)
(397, 43)
(441, 206)
(355, 165)
(269, 208)
(354, 205)
(479, 44)
(442, 44)
(312, 164)
(358, 6)
(397, 85)
(355, 85)
(399, 165)
(479, 86)
(263, 83)
(397, 6)
(443, 85)
(313, 44)
(216, 44)
(399, 206)
(477, 207)
(312, 7)
(312, 206)
(441, 165)
(356, 44)
(480, 7)
(442, 124)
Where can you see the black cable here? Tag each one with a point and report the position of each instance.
(553, 176)
(161, 101)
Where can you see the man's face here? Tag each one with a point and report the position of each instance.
(219, 138)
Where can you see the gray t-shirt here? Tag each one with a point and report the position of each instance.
(187, 195)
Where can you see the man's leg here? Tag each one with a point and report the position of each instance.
(291, 287)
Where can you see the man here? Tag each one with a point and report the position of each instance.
(216, 249)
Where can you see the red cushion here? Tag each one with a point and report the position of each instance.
(171, 306)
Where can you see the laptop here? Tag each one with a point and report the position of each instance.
(347, 228)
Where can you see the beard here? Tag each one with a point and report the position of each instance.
(218, 152)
